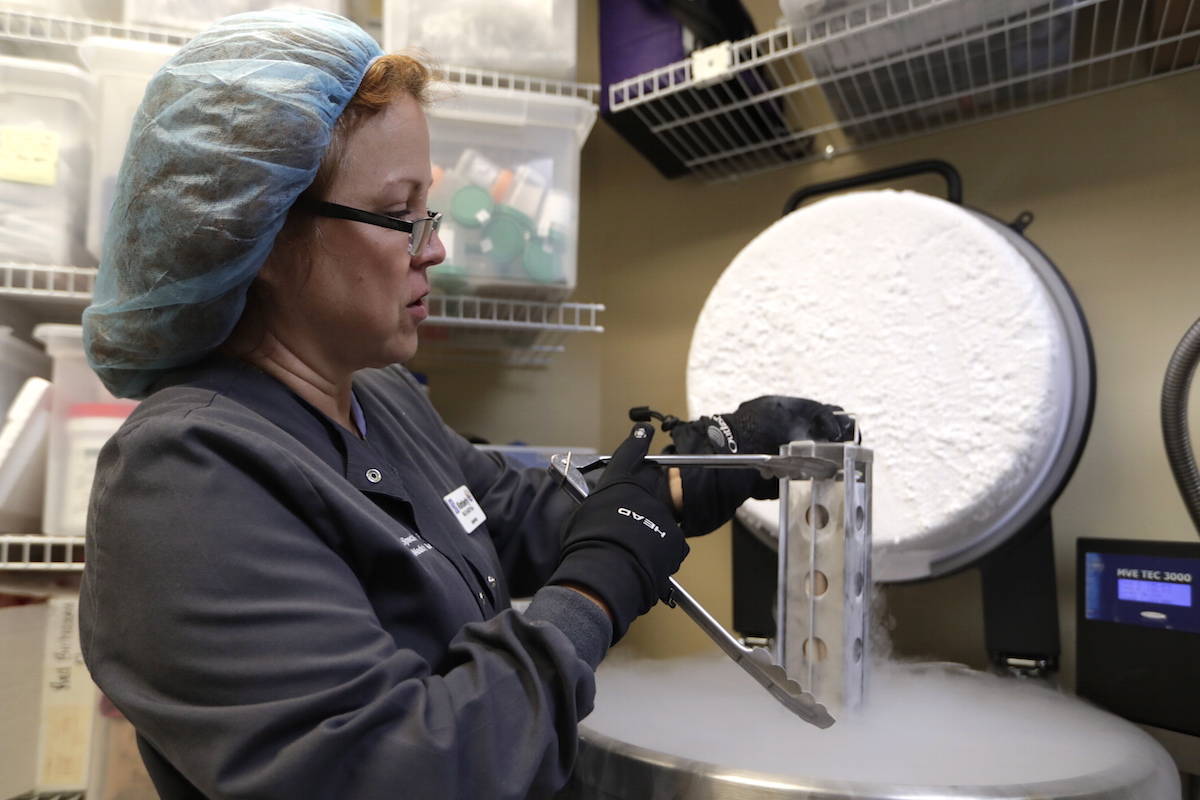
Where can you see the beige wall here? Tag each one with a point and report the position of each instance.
(1114, 182)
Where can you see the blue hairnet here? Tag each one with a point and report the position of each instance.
(230, 132)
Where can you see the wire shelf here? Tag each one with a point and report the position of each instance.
(513, 331)
(502, 313)
(41, 553)
(29, 26)
(881, 71)
(52, 283)
(470, 76)
(48, 29)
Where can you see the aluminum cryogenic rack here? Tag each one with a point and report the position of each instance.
(885, 70)
(41, 553)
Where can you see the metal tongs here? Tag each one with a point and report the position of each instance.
(754, 660)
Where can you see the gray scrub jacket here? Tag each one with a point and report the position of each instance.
(284, 610)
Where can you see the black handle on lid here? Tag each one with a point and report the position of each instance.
(943, 168)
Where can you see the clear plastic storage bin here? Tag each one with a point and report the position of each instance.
(45, 155)
(18, 360)
(121, 69)
(104, 10)
(528, 37)
(197, 14)
(902, 73)
(506, 178)
(82, 417)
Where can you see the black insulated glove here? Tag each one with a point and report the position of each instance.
(761, 425)
(622, 543)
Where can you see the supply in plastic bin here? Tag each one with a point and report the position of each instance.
(474, 167)
(528, 37)
(89, 426)
(74, 384)
(18, 361)
(505, 236)
(197, 14)
(471, 206)
(527, 190)
(23, 457)
(45, 155)
(542, 259)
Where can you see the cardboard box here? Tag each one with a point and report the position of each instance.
(68, 702)
(22, 633)
(47, 698)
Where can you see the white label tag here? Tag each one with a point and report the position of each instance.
(465, 508)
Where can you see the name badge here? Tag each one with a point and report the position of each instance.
(465, 508)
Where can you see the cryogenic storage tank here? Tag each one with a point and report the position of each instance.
(696, 729)
(967, 362)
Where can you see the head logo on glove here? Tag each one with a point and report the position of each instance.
(721, 436)
(642, 518)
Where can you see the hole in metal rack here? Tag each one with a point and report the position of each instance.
(860, 517)
(858, 650)
(820, 650)
(817, 516)
(860, 583)
(816, 583)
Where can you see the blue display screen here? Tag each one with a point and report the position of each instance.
(1170, 594)
(1151, 591)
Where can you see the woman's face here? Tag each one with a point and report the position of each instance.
(365, 295)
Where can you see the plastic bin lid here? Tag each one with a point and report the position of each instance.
(503, 239)
(106, 55)
(58, 337)
(520, 108)
(19, 354)
(34, 76)
(541, 262)
(471, 206)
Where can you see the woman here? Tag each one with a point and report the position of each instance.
(298, 577)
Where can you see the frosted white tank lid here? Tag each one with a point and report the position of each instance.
(925, 322)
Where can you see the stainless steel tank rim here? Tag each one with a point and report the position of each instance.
(668, 775)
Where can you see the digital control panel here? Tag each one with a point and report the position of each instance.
(1138, 629)
(1139, 589)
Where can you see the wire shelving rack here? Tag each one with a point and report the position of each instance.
(877, 71)
(37, 553)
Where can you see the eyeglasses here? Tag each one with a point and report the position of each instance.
(419, 231)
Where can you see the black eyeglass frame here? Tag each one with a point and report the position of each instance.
(419, 231)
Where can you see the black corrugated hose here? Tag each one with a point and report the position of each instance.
(1174, 419)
